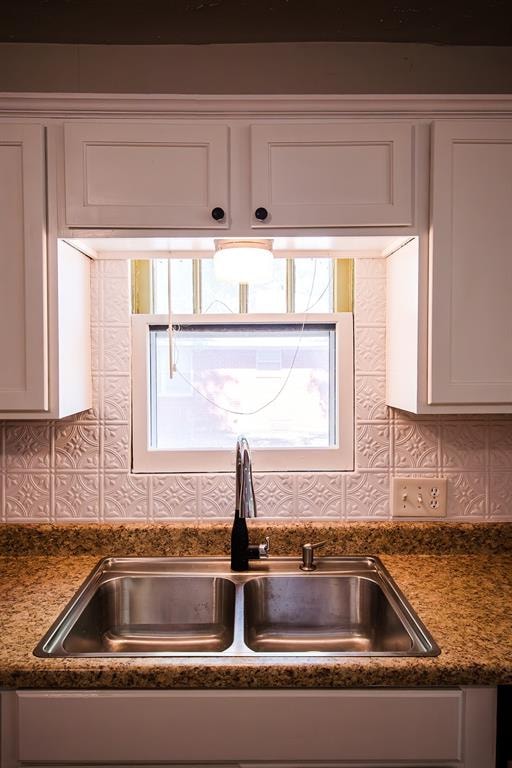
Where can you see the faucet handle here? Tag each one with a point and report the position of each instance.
(259, 551)
(264, 549)
(308, 555)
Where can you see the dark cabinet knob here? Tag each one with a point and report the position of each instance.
(218, 214)
(261, 214)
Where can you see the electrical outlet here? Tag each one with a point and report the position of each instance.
(419, 497)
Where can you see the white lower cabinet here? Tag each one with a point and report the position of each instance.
(382, 727)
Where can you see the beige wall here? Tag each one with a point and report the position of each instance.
(256, 68)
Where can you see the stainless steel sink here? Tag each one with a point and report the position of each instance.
(134, 614)
(198, 607)
(333, 614)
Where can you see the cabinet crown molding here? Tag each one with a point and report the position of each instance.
(73, 105)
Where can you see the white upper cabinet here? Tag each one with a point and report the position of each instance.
(337, 174)
(173, 175)
(147, 175)
(470, 330)
(449, 304)
(45, 369)
(23, 325)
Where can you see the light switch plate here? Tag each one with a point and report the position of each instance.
(419, 497)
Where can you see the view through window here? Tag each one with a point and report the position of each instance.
(265, 360)
(275, 383)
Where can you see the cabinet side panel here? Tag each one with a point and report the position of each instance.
(480, 727)
(402, 364)
(74, 331)
(23, 300)
(8, 730)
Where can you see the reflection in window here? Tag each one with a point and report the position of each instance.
(217, 297)
(313, 285)
(230, 379)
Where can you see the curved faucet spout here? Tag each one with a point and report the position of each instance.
(245, 500)
(245, 506)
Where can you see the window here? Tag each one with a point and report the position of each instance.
(283, 378)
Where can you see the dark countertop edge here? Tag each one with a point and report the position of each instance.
(305, 676)
(181, 539)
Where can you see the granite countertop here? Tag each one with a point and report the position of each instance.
(465, 600)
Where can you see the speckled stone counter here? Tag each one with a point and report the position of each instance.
(185, 540)
(465, 600)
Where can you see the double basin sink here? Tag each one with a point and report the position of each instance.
(349, 606)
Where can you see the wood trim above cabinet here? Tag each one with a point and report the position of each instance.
(88, 106)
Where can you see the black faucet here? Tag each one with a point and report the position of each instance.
(245, 506)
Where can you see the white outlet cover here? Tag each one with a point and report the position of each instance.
(419, 497)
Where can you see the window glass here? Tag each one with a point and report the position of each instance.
(275, 383)
(181, 286)
(217, 297)
(271, 296)
(313, 285)
(298, 285)
(160, 269)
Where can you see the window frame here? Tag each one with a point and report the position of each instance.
(336, 458)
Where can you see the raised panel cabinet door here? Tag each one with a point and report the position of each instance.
(146, 175)
(23, 309)
(335, 174)
(470, 308)
(235, 726)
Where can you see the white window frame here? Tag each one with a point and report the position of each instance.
(335, 458)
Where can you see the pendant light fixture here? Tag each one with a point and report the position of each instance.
(243, 261)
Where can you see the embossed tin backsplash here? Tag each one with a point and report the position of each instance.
(77, 469)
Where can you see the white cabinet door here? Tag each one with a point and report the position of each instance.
(23, 326)
(388, 726)
(332, 174)
(470, 333)
(378, 727)
(146, 175)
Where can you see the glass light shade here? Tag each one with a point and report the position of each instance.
(247, 261)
